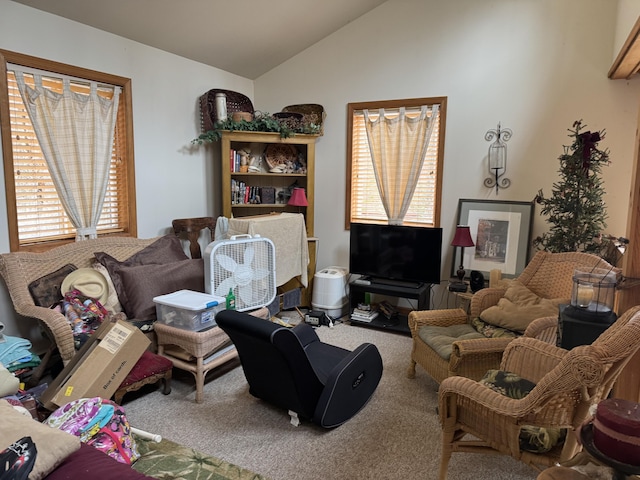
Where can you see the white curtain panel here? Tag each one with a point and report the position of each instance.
(398, 142)
(75, 132)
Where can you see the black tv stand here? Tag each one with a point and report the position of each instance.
(358, 291)
(394, 283)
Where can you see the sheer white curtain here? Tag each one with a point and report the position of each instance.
(398, 142)
(75, 132)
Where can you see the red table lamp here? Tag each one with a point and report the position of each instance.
(461, 239)
(298, 198)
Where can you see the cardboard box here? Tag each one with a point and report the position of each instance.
(100, 366)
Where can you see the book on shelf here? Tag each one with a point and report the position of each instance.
(364, 315)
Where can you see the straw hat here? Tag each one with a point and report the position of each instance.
(89, 282)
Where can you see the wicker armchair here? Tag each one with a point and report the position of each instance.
(19, 269)
(568, 383)
(548, 275)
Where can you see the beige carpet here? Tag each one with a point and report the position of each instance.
(396, 436)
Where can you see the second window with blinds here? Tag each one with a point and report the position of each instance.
(364, 202)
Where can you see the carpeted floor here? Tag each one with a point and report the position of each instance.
(396, 436)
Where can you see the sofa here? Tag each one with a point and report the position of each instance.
(136, 270)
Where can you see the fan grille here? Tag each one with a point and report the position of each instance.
(247, 267)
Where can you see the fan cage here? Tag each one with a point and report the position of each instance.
(263, 289)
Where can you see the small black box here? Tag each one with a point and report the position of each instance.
(268, 195)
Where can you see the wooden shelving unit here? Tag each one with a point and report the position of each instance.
(234, 141)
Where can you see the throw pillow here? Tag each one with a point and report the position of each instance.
(519, 307)
(113, 304)
(491, 331)
(46, 290)
(144, 282)
(532, 438)
(164, 250)
(53, 446)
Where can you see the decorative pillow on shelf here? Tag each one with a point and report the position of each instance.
(46, 290)
(532, 438)
(166, 249)
(519, 307)
(144, 282)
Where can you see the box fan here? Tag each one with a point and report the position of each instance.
(244, 264)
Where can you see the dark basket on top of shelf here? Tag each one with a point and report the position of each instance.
(311, 113)
(236, 102)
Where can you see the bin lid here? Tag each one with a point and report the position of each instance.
(189, 300)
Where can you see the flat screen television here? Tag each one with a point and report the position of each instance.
(392, 252)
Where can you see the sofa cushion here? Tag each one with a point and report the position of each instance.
(144, 282)
(90, 463)
(113, 304)
(53, 445)
(519, 307)
(166, 249)
(441, 339)
(532, 438)
(46, 290)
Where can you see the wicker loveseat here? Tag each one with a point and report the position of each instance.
(19, 269)
(548, 275)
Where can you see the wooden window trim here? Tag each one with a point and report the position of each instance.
(412, 102)
(7, 56)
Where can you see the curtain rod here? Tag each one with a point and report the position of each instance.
(34, 71)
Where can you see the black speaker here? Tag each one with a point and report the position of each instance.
(476, 281)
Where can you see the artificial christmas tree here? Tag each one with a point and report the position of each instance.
(576, 210)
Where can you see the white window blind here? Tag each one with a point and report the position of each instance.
(40, 215)
(366, 205)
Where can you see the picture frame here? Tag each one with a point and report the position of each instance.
(501, 231)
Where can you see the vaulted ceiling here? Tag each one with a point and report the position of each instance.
(245, 37)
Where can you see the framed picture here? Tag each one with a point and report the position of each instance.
(501, 232)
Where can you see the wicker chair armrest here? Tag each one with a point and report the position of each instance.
(485, 298)
(531, 358)
(478, 398)
(473, 357)
(438, 318)
(56, 325)
(545, 329)
(480, 346)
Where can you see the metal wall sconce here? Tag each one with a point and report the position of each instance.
(497, 157)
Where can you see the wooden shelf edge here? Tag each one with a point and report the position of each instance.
(627, 63)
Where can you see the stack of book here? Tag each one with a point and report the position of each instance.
(360, 315)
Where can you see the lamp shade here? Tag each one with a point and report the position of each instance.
(298, 198)
(462, 238)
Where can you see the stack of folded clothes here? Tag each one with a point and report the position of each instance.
(16, 356)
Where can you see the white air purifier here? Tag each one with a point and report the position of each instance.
(330, 291)
(244, 265)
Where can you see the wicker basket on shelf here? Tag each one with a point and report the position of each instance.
(236, 102)
(277, 155)
(311, 113)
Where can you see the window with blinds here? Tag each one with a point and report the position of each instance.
(39, 216)
(363, 200)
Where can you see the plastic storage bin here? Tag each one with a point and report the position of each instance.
(330, 291)
(188, 310)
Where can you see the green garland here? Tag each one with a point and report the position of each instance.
(262, 123)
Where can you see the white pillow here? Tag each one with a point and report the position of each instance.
(53, 445)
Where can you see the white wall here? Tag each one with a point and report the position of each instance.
(628, 12)
(173, 179)
(536, 66)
